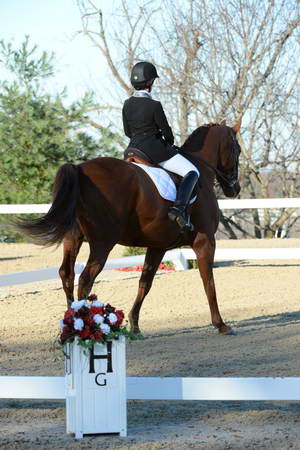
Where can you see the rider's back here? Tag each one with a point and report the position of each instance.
(145, 116)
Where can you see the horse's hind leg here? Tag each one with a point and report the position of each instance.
(71, 243)
(205, 251)
(99, 251)
(152, 261)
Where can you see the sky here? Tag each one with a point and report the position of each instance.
(53, 26)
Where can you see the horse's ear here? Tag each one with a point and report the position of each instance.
(223, 122)
(237, 126)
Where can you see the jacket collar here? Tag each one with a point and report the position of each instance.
(142, 94)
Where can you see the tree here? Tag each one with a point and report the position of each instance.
(217, 60)
(38, 132)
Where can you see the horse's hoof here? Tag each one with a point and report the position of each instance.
(227, 331)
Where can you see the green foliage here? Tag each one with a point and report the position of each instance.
(7, 233)
(133, 251)
(88, 344)
(192, 264)
(169, 264)
(25, 65)
(107, 145)
(38, 133)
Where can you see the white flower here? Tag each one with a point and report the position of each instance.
(98, 319)
(78, 305)
(97, 303)
(78, 324)
(105, 328)
(112, 318)
(61, 324)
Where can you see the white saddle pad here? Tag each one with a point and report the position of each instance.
(163, 182)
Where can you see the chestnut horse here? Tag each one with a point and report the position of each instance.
(108, 201)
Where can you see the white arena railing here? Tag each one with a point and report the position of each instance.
(252, 203)
(179, 257)
(164, 388)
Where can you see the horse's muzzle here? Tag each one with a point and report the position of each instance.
(231, 191)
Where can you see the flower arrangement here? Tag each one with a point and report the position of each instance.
(92, 322)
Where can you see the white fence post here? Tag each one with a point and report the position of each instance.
(178, 259)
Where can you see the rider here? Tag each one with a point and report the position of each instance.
(147, 127)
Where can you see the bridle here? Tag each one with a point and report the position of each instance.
(230, 179)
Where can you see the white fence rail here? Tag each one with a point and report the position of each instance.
(179, 257)
(260, 203)
(143, 388)
(24, 209)
(253, 203)
(49, 273)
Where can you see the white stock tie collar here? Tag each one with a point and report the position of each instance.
(141, 93)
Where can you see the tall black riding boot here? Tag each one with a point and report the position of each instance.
(178, 212)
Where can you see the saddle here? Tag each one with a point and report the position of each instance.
(137, 156)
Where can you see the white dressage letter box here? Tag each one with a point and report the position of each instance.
(96, 388)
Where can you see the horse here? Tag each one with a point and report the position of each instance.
(108, 201)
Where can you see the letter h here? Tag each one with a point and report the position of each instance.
(108, 356)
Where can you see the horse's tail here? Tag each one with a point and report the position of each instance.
(51, 228)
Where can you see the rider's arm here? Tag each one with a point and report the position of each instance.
(125, 125)
(163, 125)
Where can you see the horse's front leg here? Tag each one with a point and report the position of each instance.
(205, 251)
(152, 261)
(71, 243)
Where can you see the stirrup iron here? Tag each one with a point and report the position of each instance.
(181, 217)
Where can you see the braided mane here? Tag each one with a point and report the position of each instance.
(195, 141)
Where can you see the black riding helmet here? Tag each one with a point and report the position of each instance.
(142, 73)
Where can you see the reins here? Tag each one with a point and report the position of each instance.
(229, 179)
(208, 164)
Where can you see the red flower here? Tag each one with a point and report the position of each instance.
(85, 333)
(83, 312)
(164, 267)
(120, 315)
(64, 337)
(88, 318)
(92, 297)
(96, 310)
(91, 330)
(69, 314)
(98, 334)
(68, 329)
(131, 269)
(66, 333)
(69, 320)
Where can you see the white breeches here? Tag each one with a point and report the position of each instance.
(179, 164)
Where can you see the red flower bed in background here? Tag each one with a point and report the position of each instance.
(140, 268)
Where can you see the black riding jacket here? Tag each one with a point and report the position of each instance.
(146, 125)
